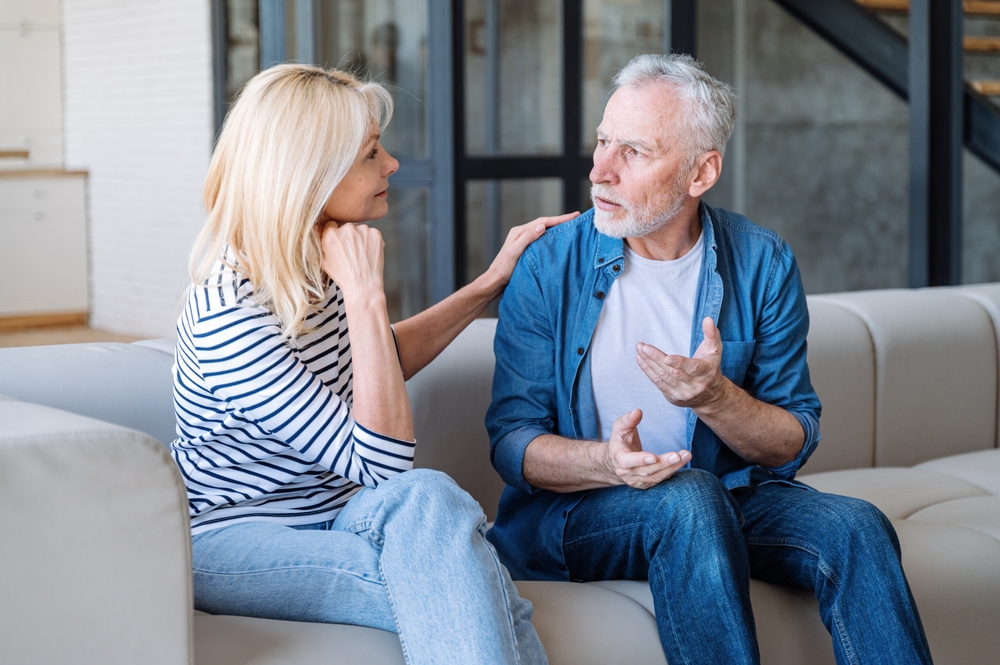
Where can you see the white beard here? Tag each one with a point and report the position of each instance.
(639, 220)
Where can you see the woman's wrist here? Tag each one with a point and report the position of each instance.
(488, 286)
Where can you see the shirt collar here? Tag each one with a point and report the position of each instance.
(610, 249)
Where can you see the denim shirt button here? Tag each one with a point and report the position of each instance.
(600, 295)
(616, 268)
(579, 351)
(600, 260)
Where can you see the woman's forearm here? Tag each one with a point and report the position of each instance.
(380, 401)
(423, 336)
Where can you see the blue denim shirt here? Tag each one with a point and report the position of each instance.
(749, 284)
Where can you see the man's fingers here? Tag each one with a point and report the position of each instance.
(627, 422)
(712, 344)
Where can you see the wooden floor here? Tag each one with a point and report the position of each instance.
(60, 335)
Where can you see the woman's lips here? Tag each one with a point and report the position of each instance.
(381, 195)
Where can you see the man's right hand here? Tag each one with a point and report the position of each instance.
(633, 466)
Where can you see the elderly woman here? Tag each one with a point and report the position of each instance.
(295, 437)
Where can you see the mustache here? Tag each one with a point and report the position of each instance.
(602, 192)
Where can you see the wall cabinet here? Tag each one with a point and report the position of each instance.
(43, 243)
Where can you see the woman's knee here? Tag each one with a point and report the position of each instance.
(432, 489)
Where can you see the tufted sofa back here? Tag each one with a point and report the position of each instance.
(905, 376)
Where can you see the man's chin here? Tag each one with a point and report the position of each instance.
(606, 224)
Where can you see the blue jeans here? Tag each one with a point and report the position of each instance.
(699, 544)
(407, 557)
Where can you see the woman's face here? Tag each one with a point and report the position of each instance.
(361, 195)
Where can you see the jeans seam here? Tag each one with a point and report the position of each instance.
(203, 571)
(845, 640)
(506, 597)
(395, 616)
(828, 572)
(595, 534)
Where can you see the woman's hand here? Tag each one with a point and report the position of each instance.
(517, 241)
(353, 257)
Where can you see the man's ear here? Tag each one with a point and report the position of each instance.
(706, 170)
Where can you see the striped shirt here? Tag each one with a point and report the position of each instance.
(264, 424)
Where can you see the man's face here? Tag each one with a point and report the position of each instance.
(642, 163)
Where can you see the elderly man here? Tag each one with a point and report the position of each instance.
(652, 403)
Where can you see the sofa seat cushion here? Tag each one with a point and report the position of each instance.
(980, 513)
(981, 468)
(231, 640)
(579, 624)
(897, 492)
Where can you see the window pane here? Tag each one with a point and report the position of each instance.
(405, 231)
(385, 40)
(513, 71)
(615, 31)
(493, 207)
(243, 45)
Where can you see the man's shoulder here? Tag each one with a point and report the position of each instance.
(564, 240)
(738, 228)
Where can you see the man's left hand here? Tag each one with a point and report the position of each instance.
(688, 382)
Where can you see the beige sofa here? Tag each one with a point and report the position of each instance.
(94, 546)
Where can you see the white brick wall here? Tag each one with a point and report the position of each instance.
(138, 116)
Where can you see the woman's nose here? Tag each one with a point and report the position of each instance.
(391, 166)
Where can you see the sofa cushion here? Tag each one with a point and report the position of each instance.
(789, 628)
(897, 492)
(988, 297)
(981, 469)
(96, 545)
(579, 624)
(231, 640)
(954, 572)
(124, 384)
(936, 373)
(453, 438)
(842, 369)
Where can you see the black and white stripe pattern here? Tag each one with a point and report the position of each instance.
(264, 426)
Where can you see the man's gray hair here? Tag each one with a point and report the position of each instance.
(712, 103)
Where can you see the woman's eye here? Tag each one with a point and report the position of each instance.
(374, 153)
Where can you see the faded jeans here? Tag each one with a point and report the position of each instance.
(407, 557)
(699, 544)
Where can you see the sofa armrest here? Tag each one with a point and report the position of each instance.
(95, 545)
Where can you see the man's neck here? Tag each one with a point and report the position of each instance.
(672, 240)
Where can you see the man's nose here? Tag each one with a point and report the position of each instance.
(604, 168)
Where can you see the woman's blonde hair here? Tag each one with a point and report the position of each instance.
(288, 140)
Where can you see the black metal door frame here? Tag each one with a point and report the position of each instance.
(570, 166)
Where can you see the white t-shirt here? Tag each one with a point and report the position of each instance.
(651, 302)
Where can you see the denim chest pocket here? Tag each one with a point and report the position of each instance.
(736, 358)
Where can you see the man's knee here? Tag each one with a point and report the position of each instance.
(861, 524)
(693, 501)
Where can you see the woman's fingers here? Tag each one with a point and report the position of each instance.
(353, 256)
(518, 240)
(549, 222)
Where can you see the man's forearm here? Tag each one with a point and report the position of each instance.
(566, 465)
(758, 432)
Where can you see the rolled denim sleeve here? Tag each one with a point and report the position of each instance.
(524, 403)
(778, 373)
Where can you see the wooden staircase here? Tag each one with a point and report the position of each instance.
(980, 45)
